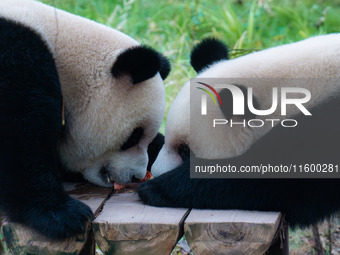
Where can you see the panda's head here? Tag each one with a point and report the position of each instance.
(113, 92)
(107, 136)
(177, 144)
(112, 88)
(210, 60)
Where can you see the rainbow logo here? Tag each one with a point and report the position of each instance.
(209, 93)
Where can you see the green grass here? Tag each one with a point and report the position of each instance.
(174, 26)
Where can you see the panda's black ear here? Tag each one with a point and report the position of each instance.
(227, 101)
(208, 51)
(141, 63)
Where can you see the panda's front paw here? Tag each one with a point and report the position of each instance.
(60, 221)
(152, 193)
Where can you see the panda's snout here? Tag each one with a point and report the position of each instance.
(110, 175)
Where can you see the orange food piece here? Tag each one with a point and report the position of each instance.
(118, 186)
(133, 185)
(148, 176)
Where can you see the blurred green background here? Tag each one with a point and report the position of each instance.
(173, 26)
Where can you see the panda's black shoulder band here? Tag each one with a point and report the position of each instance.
(208, 51)
(141, 63)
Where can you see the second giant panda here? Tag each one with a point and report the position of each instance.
(104, 86)
(304, 201)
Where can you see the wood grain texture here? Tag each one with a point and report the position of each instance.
(127, 226)
(21, 240)
(230, 231)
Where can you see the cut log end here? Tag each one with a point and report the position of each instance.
(22, 240)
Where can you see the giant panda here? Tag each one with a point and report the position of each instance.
(303, 201)
(74, 95)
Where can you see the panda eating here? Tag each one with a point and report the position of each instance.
(303, 201)
(56, 67)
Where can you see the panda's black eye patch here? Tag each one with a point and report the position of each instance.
(184, 151)
(133, 140)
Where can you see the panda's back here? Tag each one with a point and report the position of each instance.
(23, 53)
(28, 78)
(54, 24)
(316, 57)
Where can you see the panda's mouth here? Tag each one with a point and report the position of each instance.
(108, 179)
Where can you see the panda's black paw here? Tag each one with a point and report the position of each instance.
(171, 189)
(60, 221)
(152, 193)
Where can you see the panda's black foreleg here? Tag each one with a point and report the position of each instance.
(304, 201)
(30, 127)
(177, 189)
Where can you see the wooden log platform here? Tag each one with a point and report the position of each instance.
(230, 231)
(126, 226)
(123, 225)
(22, 241)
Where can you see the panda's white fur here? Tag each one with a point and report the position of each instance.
(316, 57)
(101, 111)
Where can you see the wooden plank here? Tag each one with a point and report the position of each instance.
(21, 240)
(127, 226)
(230, 231)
